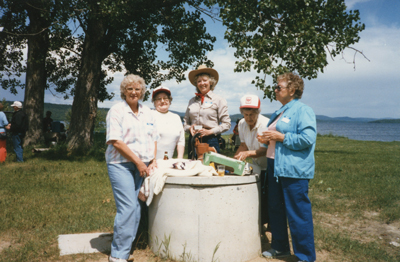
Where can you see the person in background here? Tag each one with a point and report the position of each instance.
(3, 141)
(18, 128)
(291, 138)
(235, 137)
(132, 146)
(169, 125)
(207, 112)
(47, 122)
(248, 128)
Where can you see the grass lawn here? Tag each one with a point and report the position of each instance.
(355, 196)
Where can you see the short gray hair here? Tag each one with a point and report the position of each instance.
(132, 79)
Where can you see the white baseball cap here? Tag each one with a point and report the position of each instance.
(17, 104)
(250, 101)
(161, 89)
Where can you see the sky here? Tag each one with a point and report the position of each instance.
(370, 90)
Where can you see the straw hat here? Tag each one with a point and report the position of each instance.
(203, 69)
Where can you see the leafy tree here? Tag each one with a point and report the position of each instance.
(29, 23)
(276, 36)
(120, 35)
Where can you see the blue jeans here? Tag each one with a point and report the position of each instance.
(17, 140)
(125, 182)
(288, 201)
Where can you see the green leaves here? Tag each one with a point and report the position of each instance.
(274, 36)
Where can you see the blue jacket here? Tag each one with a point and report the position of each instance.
(294, 157)
(3, 122)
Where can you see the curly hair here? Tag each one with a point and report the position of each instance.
(294, 82)
(213, 82)
(132, 80)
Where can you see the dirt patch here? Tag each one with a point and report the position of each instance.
(4, 245)
(366, 229)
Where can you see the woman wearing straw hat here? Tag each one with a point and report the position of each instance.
(207, 112)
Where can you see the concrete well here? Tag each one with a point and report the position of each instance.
(194, 215)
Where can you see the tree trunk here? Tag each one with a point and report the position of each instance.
(84, 107)
(36, 78)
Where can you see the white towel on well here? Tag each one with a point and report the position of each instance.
(157, 179)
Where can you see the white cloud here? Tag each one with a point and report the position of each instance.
(351, 3)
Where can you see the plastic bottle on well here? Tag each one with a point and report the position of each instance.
(166, 155)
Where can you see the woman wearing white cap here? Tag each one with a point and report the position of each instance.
(207, 112)
(169, 125)
(249, 126)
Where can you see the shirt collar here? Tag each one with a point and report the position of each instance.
(128, 109)
(287, 106)
(256, 126)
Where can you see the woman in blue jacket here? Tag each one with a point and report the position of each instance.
(291, 138)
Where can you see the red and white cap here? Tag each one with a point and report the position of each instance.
(250, 101)
(160, 89)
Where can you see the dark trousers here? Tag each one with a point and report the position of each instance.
(264, 197)
(18, 140)
(212, 141)
(289, 202)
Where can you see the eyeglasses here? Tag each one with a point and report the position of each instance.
(277, 87)
(131, 90)
(162, 98)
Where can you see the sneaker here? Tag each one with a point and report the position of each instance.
(272, 253)
(113, 259)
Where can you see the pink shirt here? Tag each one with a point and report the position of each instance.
(271, 146)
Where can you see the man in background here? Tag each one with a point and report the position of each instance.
(19, 126)
(47, 122)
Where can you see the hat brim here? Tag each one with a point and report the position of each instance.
(16, 105)
(250, 107)
(209, 71)
(160, 91)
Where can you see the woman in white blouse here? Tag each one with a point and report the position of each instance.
(169, 125)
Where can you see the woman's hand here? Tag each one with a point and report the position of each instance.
(143, 169)
(206, 132)
(273, 135)
(192, 131)
(152, 166)
(262, 139)
(242, 155)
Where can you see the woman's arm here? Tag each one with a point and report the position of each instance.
(125, 151)
(180, 150)
(243, 152)
(223, 117)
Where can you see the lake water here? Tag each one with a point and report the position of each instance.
(356, 130)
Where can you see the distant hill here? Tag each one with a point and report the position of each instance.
(386, 121)
(344, 119)
(58, 114)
